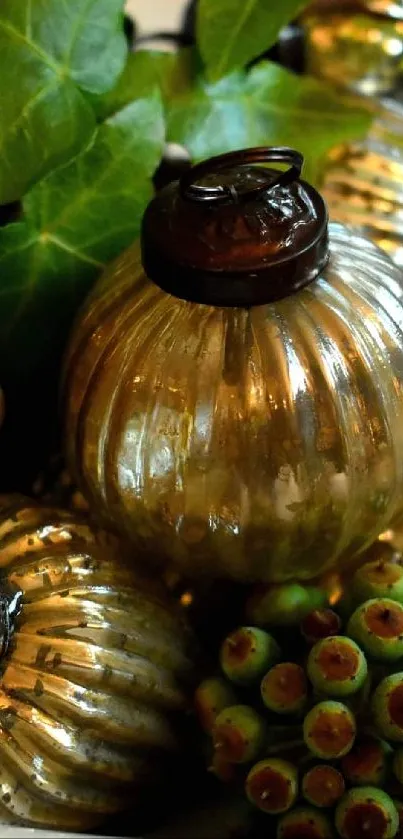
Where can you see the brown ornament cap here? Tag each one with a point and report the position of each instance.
(231, 233)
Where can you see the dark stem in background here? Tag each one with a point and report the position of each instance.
(129, 29)
(289, 51)
(10, 213)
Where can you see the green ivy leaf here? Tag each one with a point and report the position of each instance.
(267, 106)
(173, 73)
(144, 72)
(47, 49)
(75, 221)
(232, 32)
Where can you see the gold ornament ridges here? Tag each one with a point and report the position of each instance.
(91, 683)
(254, 444)
(364, 182)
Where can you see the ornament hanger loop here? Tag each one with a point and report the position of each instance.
(190, 190)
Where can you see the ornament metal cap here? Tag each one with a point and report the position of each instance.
(231, 233)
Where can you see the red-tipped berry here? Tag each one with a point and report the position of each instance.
(211, 697)
(366, 813)
(337, 666)
(247, 654)
(387, 706)
(329, 730)
(377, 626)
(323, 785)
(367, 762)
(284, 688)
(272, 785)
(321, 623)
(239, 734)
(304, 823)
(379, 578)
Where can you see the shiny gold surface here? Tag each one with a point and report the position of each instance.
(359, 52)
(364, 182)
(390, 8)
(91, 679)
(261, 443)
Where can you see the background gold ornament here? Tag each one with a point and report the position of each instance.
(354, 50)
(359, 47)
(364, 182)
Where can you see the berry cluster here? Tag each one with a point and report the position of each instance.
(312, 727)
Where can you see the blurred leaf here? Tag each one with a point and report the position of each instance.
(75, 221)
(266, 106)
(141, 76)
(145, 71)
(47, 49)
(232, 32)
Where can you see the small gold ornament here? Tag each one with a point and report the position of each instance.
(94, 659)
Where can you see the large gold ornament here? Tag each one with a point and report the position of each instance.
(253, 441)
(90, 678)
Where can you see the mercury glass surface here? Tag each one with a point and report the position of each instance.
(363, 186)
(92, 680)
(255, 444)
(389, 8)
(361, 52)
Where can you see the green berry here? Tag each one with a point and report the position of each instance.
(321, 623)
(304, 823)
(323, 785)
(272, 785)
(211, 697)
(367, 762)
(366, 813)
(387, 707)
(329, 730)
(247, 653)
(284, 688)
(378, 579)
(377, 626)
(337, 666)
(239, 734)
(283, 605)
